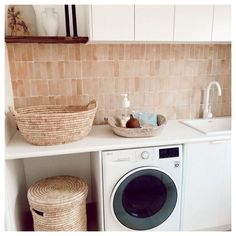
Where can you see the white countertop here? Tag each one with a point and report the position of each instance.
(101, 138)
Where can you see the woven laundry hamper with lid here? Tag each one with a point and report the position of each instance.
(58, 203)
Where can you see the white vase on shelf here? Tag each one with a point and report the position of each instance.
(50, 20)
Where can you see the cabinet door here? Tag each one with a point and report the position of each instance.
(225, 200)
(193, 23)
(154, 23)
(222, 23)
(206, 186)
(114, 22)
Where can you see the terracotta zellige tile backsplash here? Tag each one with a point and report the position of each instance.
(164, 78)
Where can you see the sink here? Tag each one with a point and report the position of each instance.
(221, 125)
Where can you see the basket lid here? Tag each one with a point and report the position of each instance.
(57, 190)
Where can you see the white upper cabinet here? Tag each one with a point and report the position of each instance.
(222, 23)
(112, 22)
(154, 23)
(178, 23)
(193, 23)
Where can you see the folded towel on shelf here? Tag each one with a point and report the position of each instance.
(146, 119)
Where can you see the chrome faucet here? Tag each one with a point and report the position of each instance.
(207, 109)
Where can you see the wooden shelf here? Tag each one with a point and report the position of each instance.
(45, 39)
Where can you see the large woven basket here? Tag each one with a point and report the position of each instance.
(137, 132)
(55, 124)
(59, 204)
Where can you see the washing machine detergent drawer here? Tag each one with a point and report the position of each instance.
(142, 188)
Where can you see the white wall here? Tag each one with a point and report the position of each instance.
(16, 206)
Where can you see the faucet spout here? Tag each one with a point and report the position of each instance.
(207, 113)
(219, 90)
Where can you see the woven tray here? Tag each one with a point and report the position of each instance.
(137, 132)
(54, 124)
(58, 203)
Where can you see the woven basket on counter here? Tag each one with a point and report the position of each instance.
(137, 132)
(55, 124)
(59, 204)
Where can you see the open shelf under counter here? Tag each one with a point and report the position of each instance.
(45, 39)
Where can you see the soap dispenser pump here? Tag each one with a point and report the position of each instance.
(125, 109)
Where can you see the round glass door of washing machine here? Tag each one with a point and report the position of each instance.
(144, 198)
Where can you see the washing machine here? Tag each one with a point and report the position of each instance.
(142, 188)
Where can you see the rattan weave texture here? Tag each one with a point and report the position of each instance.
(138, 132)
(55, 124)
(58, 203)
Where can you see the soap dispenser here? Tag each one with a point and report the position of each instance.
(125, 110)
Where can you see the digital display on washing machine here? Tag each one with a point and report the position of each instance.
(168, 152)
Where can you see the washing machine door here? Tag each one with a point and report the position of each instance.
(144, 198)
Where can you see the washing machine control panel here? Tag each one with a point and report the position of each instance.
(155, 153)
(168, 152)
(145, 155)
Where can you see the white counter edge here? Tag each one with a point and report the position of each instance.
(99, 139)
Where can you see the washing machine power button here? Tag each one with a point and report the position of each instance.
(145, 155)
